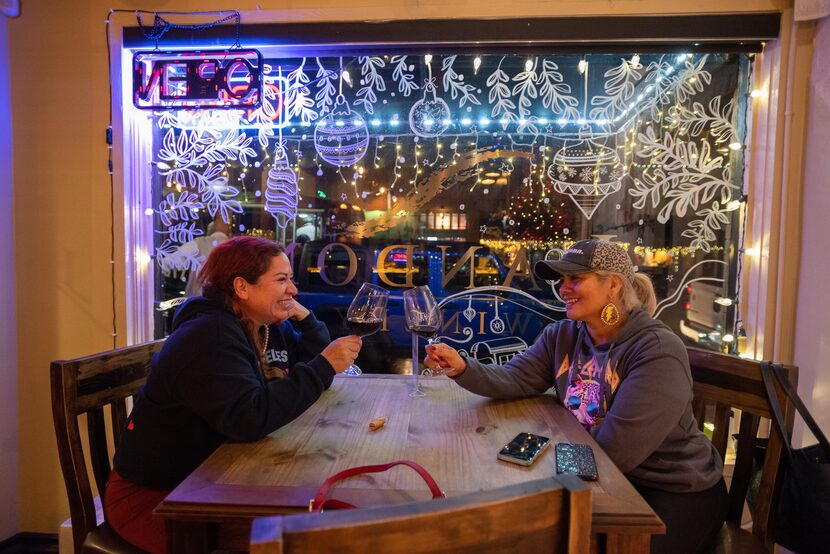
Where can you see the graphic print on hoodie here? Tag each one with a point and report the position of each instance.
(590, 384)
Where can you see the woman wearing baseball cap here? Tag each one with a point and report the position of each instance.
(625, 376)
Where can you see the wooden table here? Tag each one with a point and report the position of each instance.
(453, 433)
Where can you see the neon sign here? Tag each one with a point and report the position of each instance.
(197, 79)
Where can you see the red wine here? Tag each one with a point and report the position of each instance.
(425, 331)
(362, 326)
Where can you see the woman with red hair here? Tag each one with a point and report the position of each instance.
(214, 380)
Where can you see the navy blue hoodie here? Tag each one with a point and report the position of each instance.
(206, 387)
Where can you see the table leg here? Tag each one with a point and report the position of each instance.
(187, 537)
(626, 543)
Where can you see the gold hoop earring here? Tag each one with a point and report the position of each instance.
(610, 315)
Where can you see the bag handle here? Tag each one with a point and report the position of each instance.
(319, 501)
(770, 370)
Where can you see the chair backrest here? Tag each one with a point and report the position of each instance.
(86, 386)
(548, 515)
(724, 383)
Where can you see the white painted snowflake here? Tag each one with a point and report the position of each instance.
(586, 175)
(571, 171)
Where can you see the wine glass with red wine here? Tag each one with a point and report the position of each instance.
(423, 319)
(365, 315)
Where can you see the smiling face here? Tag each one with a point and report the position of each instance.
(585, 295)
(270, 298)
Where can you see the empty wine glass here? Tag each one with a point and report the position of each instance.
(365, 315)
(423, 318)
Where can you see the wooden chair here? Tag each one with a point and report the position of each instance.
(725, 383)
(548, 515)
(86, 386)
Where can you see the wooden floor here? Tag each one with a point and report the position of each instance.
(31, 543)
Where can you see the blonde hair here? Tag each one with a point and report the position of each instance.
(637, 294)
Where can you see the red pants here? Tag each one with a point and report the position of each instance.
(129, 511)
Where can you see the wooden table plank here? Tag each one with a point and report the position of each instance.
(454, 434)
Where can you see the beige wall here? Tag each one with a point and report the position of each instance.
(812, 337)
(8, 326)
(59, 98)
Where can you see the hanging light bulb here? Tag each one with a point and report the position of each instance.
(635, 60)
(733, 205)
(583, 66)
(476, 65)
(347, 77)
(742, 340)
(528, 65)
(428, 59)
(724, 301)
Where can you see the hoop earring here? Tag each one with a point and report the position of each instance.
(610, 315)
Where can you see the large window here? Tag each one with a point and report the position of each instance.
(471, 167)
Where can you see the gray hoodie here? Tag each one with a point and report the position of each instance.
(634, 395)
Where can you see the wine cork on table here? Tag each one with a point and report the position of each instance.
(377, 423)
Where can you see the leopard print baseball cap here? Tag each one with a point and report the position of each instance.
(584, 256)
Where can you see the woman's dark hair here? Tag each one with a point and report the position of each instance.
(246, 257)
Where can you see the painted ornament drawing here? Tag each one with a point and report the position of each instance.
(341, 137)
(588, 172)
(429, 116)
(282, 196)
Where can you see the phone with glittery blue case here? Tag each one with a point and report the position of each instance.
(576, 459)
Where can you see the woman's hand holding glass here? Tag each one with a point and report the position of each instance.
(444, 360)
(341, 353)
(423, 319)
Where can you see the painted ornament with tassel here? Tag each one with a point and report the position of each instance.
(282, 195)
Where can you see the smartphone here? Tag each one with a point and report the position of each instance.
(524, 449)
(576, 459)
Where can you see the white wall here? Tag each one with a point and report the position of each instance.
(9, 455)
(812, 342)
